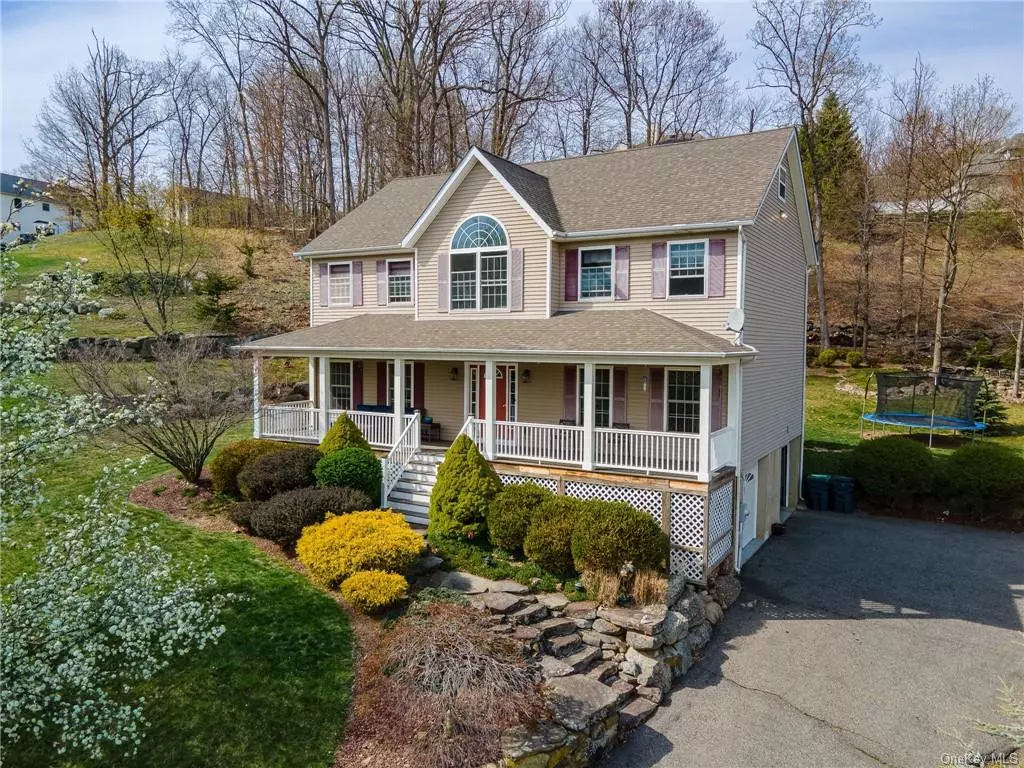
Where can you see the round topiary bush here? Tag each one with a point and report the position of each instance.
(465, 486)
(548, 540)
(234, 458)
(241, 513)
(282, 518)
(985, 480)
(609, 534)
(855, 358)
(351, 468)
(375, 540)
(343, 434)
(278, 472)
(371, 591)
(509, 514)
(893, 470)
(827, 357)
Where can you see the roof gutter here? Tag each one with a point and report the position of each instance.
(375, 251)
(533, 354)
(661, 230)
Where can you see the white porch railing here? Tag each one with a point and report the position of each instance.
(538, 442)
(723, 448)
(400, 456)
(292, 421)
(634, 449)
(377, 428)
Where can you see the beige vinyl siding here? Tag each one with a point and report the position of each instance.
(481, 193)
(443, 398)
(703, 313)
(321, 315)
(775, 296)
(541, 401)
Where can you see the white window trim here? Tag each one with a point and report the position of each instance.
(668, 267)
(351, 383)
(664, 400)
(412, 282)
(579, 273)
(330, 298)
(479, 275)
(611, 394)
(471, 369)
(782, 183)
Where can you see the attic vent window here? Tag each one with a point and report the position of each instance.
(783, 181)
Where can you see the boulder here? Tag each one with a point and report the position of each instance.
(529, 615)
(507, 585)
(674, 628)
(646, 621)
(699, 637)
(106, 312)
(426, 564)
(726, 589)
(644, 642)
(527, 634)
(583, 623)
(591, 638)
(502, 602)
(604, 671)
(637, 712)
(652, 671)
(554, 627)
(466, 583)
(691, 607)
(550, 667)
(714, 612)
(606, 627)
(679, 658)
(579, 701)
(623, 689)
(676, 587)
(582, 660)
(555, 601)
(564, 645)
(523, 741)
(582, 609)
(650, 693)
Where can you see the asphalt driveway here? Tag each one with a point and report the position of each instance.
(857, 641)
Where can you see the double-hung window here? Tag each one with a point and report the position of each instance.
(682, 401)
(478, 267)
(687, 268)
(596, 273)
(339, 284)
(602, 396)
(408, 385)
(399, 282)
(341, 385)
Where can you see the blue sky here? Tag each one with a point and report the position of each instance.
(40, 38)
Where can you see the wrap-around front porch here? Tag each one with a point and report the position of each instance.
(676, 421)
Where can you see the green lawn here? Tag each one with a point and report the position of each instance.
(275, 689)
(834, 421)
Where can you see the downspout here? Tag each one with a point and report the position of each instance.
(741, 268)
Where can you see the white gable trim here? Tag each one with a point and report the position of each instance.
(454, 180)
(799, 188)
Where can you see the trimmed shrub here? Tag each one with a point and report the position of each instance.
(234, 458)
(827, 357)
(985, 479)
(509, 514)
(465, 486)
(282, 518)
(343, 434)
(855, 358)
(278, 472)
(362, 541)
(893, 470)
(351, 468)
(548, 540)
(241, 513)
(370, 591)
(609, 534)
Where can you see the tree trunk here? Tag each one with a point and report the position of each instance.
(1017, 355)
(945, 285)
(920, 279)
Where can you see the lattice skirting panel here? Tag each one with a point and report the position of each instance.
(720, 524)
(544, 482)
(643, 499)
(686, 535)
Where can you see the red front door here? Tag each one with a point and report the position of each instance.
(500, 387)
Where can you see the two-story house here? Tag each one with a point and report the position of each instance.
(27, 205)
(627, 325)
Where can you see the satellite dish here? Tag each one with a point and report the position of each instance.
(734, 320)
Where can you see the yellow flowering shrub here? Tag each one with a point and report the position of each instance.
(362, 541)
(371, 591)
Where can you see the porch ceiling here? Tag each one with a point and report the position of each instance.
(598, 333)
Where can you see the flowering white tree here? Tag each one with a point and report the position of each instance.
(102, 608)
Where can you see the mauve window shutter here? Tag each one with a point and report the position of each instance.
(443, 289)
(622, 273)
(357, 283)
(569, 394)
(572, 275)
(382, 282)
(324, 283)
(382, 382)
(716, 268)
(418, 379)
(619, 386)
(657, 390)
(357, 383)
(659, 270)
(515, 280)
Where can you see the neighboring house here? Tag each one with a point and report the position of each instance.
(571, 317)
(25, 203)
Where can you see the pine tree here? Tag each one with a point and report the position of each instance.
(839, 153)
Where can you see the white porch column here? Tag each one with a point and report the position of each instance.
(704, 456)
(491, 406)
(323, 390)
(588, 415)
(398, 401)
(257, 394)
(311, 379)
(735, 407)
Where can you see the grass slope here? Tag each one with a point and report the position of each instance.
(275, 689)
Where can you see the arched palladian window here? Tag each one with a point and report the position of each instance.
(479, 265)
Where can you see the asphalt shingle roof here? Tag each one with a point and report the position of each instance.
(628, 332)
(706, 181)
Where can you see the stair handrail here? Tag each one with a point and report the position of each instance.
(405, 448)
(468, 428)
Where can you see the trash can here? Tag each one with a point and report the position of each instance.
(817, 491)
(842, 494)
